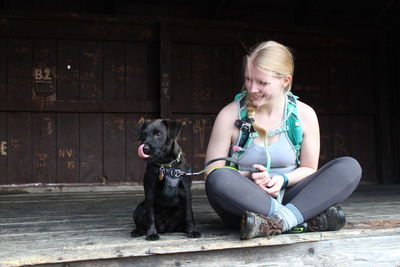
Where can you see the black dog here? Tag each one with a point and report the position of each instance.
(167, 206)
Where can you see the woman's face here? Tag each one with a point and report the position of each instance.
(263, 85)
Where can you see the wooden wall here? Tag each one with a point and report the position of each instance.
(73, 88)
(72, 93)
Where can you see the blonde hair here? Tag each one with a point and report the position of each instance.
(269, 56)
(272, 56)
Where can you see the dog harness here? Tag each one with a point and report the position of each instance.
(171, 176)
(171, 179)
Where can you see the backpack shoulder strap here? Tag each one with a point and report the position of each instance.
(295, 132)
(244, 123)
(241, 100)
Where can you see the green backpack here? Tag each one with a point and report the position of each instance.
(291, 126)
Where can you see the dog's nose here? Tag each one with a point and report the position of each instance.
(146, 149)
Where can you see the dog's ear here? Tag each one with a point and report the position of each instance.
(142, 124)
(173, 128)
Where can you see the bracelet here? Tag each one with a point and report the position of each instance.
(285, 181)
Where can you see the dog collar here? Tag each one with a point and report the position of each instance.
(172, 163)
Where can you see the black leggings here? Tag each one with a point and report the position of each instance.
(230, 193)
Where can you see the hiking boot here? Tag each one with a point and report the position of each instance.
(255, 225)
(331, 219)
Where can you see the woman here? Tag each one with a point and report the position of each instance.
(249, 199)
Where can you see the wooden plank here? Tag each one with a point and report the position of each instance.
(222, 74)
(118, 243)
(19, 148)
(142, 72)
(3, 148)
(308, 252)
(68, 69)
(340, 136)
(96, 226)
(19, 69)
(312, 77)
(185, 137)
(165, 70)
(23, 5)
(363, 145)
(68, 148)
(81, 106)
(204, 85)
(44, 148)
(91, 70)
(3, 69)
(114, 71)
(181, 91)
(136, 71)
(202, 72)
(80, 27)
(302, 254)
(326, 151)
(44, 70)
(199, 81)
(114, 147)
(340, 88)
(202, 126)
(203, 35)
(363, 91)
(237, 69)
(349, 61)
(91, 147)
(153, 74)
(135, 166)
(386, 168)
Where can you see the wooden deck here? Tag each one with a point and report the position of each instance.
(93, 229)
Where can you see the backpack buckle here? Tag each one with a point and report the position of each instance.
(246, 127)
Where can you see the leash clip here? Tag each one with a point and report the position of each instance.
(177, 173)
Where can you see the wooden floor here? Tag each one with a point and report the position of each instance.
(93, 229)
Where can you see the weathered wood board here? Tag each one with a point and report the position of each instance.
(86, 228)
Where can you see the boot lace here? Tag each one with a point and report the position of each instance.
(269, 227)
(313, 225)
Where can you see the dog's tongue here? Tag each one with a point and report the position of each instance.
(141, 154)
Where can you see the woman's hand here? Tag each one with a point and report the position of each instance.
(274, 185)
(260, 178)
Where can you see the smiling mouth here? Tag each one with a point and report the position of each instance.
(259, 97)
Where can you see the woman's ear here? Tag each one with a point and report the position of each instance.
(287, 80)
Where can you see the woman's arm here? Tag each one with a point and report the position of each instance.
(310, 146)
(222, 135)
(309, 155)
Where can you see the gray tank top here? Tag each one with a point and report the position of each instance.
(283, 157)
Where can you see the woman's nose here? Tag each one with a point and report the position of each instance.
(252, 87)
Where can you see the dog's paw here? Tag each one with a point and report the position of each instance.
(195, 234)
(137, 233)
(152, 237)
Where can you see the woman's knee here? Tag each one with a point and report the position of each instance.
(351, 169)
(219, 180)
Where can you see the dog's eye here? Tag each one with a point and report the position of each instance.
(157, 133)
